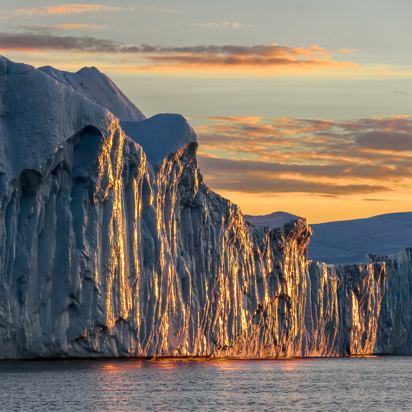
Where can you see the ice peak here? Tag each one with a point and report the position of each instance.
(3, 65)
(9, 67)
(91, 83)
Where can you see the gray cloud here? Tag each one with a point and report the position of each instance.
(42, 29)
(394, 141)
(88, 43)
(24, 41)
(343, 169)
(257, 56)
(400, 92)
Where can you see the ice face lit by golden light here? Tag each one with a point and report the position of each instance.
(209, 283)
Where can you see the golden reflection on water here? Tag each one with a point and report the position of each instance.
(122, 366)
(232, 363)
(161, 378)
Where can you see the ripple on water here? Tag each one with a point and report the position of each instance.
(362, 384)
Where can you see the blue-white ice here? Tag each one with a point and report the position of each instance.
(97, 87)
(160, 135)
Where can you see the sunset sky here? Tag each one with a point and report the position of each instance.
(299, 106)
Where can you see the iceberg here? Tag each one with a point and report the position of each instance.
(112, 244)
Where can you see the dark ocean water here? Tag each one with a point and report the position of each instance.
(334, 384)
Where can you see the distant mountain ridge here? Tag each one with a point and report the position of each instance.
(350, 241)
(273, 220)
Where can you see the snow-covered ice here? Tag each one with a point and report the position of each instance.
(160, 135)
(37, 115)
(97, 87)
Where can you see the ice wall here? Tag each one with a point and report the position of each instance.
(107, 255)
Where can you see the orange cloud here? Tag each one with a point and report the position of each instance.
(347, 51)
(266, 57)
(237, 119)
(322, 157)
(83, 8)
(75, 26)
(63, 9)
(218, 63)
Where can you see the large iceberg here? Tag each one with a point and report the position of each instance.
(111, 244)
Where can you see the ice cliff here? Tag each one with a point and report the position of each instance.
(111, 244)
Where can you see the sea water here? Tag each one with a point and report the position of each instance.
(333, 384)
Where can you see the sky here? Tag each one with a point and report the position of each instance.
(302, 107)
